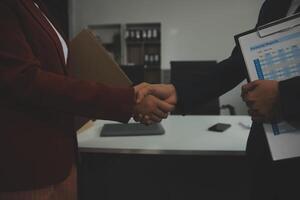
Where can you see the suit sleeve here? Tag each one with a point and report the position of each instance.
(227, 74)
(23, 82)
(290, 98)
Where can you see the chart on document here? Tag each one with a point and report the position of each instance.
(280, 61)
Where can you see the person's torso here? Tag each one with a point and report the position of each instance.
(37, 144)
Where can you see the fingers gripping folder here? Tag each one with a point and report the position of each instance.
(272, 52)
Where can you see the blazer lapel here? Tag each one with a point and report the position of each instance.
(52, 20)
(38, 15)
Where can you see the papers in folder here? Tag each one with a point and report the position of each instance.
(272, 52)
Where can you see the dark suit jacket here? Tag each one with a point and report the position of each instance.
(38, 100)
(230, 72)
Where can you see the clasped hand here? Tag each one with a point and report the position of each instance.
(154, 102)
(262, 99)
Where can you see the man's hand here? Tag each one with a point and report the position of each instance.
(165, 92)
(151, 110)
(154, 102)
(262, 99)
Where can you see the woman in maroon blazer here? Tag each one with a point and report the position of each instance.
(38, 101)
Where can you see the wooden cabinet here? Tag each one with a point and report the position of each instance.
(143, 47)
(143, 44)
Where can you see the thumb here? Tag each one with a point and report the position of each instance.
(164, 106)
(250, 86)
(163, 91)
(140, 93)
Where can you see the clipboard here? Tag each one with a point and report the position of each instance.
(272, 52)
(262, 31)
(268, 30)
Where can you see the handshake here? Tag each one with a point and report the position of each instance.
(153, 102)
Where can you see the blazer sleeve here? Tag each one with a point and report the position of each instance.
(227, 75)
(289, 93)
(23, 82)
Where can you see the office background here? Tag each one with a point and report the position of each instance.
(191, 30)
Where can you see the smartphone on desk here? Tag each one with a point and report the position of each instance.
(219, 127)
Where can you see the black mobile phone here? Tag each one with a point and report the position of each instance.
(219, 127)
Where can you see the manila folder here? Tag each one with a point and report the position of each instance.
(89, 60)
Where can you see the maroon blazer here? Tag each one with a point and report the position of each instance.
(38, 101)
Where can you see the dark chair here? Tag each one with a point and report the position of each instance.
(165, 76)
(187, 71)
(134, 72)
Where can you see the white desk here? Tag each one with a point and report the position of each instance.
(187, 135)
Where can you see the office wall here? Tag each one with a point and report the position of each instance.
(191, 29)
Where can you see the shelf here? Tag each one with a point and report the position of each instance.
(143, 42)
(146, 48)
(152, 66)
